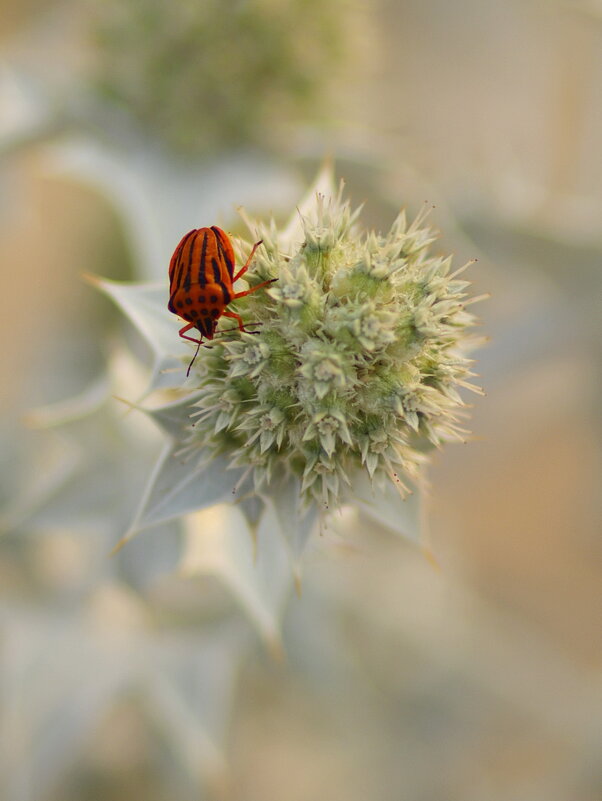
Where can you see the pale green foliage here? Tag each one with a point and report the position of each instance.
(212, 74)
(356, 363)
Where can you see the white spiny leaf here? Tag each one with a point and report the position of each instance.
(387, 507)
(90, 400)
(191, 688)
(27, 113)
(146, 306)
(61, 674)
(252, 507)
(220, 543)
(160, 199)
(55, 464)
(173, 418)
(71, 679)
(178, 487)
(295, 523)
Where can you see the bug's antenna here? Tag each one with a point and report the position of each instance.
(196, 353)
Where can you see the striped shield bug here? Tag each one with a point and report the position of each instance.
(201, 279)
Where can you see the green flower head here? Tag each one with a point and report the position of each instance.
(355, 364)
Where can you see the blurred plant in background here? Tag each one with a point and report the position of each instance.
(177, 113)
(215, 76)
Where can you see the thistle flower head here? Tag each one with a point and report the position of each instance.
(356, 363)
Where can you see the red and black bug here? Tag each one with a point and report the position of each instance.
(201, 279)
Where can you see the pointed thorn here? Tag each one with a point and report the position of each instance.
(431, 558)
(297, 582)
(123, 541)
(94, 280)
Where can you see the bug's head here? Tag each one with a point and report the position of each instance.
(207, 325)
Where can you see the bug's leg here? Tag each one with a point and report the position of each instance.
(197, 342)
(236, 317)
(196, 353)
(246, 265)
(253, 289)
(236, 328)
(241, 325)
(182, 333)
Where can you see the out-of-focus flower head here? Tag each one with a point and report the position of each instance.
(212, 75)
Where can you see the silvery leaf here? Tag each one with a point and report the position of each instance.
(220, 543)
(98, 493)
(178, 486)
(191, 687)
(88, 470)
(173, 418)
(387, 507)
(90, 400)
(62, 672)
(55, 463)
(57, 682)
(161, 198)
(145, 305)
(252, 507)
(26, 115)
(295, 523)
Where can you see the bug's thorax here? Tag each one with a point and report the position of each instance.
(201, 272)
(204, 256)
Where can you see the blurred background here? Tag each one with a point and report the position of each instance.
(122, 126)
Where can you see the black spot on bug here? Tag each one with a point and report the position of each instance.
(213, 298)
(189, 301)
(180, 304)
(194, 313)
(204, 312)
(201, 298)
(214, 313)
